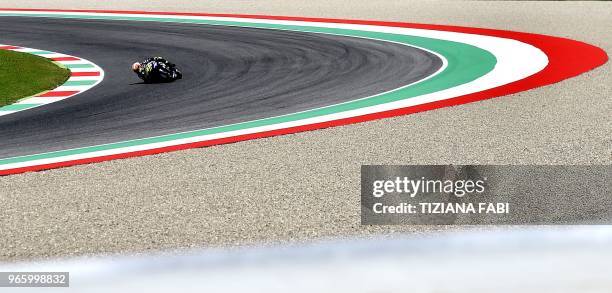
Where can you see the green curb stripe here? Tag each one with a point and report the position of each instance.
(465, 64)
(73, 66)
(79, 82)
(17, 107)
(40, 52)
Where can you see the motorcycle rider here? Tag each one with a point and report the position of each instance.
(156, 70)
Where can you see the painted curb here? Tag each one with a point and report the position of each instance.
(83, 76)
(566, 58)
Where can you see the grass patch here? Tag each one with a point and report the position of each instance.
(23, 75)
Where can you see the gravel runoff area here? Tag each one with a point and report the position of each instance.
(306, 186)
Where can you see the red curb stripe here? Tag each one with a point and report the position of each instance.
(96, 73)
(67, 58)
(9, 47)
(58, 94)
(567, 58)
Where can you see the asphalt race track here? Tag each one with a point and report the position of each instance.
(231, 75)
